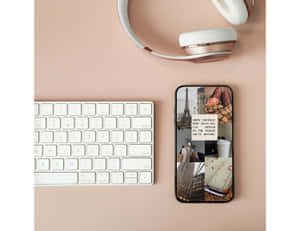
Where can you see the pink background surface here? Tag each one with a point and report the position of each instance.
(82, 53)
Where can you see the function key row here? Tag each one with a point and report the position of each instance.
(90, 109)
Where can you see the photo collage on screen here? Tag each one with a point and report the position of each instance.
(204, 144)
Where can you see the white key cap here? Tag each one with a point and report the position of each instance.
(117, 109)
(78, 150)
(120, 150)
(89, 136)
(102, 177)
(145, 178)
(141, 122)
(136, 164)
(130, 175)
(74, 137)
(50, 150)
(131, 136)
(39, 123)
(145, 109)
(85, 164)
(53, 123)
(42, 164)
(64, 150)
(36, 109)
(92, 150)
(131, 180)
(87, 178)
(131, 109)
(116, 136)
(88, 109)
(71, 164)
(139, 150)
(46, 137)
(36, 137)
(106, 150)
(74, 109)
(110, 123)
(67, 123)
(99, 164)
(60, 137)
(55, 178)
(81, 123)
(123, 123)
(57, 164)
(103, 137)
(116, 178)
(95, 123)
(60, 109)
(145, 136)
(38, 150)
(103, 109)
(113, 164)
(46, 109)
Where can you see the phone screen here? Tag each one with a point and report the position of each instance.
(204, 144)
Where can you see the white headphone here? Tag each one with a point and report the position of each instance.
(203, 45)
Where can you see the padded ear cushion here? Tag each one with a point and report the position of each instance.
(207, 36)
(235, 11)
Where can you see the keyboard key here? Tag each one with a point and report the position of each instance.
(103, 109)
(60, 109)
(102, 177)
(38, 150)
(131, 136)
(116, 177)
(145, 109)
(95, 123)
(81, 123)
(139, 150)
(131, 180)
(67, 123)
(57, 164)
(40, 123)
(116, 136)
(87, 178)
(131, 109)
(103, 137)
(36, 137)
(46, 109)
(130, 175)
(89, 136)
(92, 150)
(110, 123)
(74, 137)
(55, 178)
(106, 150)
(123, 123)
(42, 164)
(53, 123)
(60, 137)
(71, 164)
(64, 150)
(136, 164)
(36, 109)
(99, 164)
(117, 109)
(145, 178)
(141, 123)
(74, 109)
(113, 164)
(46, 137)
(88, 109)
(120, 150)
(50, 150)
(85, 164)
(145, 136)
(78, 150)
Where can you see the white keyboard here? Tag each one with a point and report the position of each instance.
(94, 143)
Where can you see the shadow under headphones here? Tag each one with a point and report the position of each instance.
(203, 45)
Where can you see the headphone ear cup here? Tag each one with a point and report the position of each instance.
(234, 11)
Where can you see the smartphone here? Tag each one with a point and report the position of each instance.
(204, 170)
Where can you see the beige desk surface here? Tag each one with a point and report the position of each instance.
(82, 53)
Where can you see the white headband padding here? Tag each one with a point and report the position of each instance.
(235, 11)
(207, 36)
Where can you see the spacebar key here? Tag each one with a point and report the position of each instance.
(44, 178)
